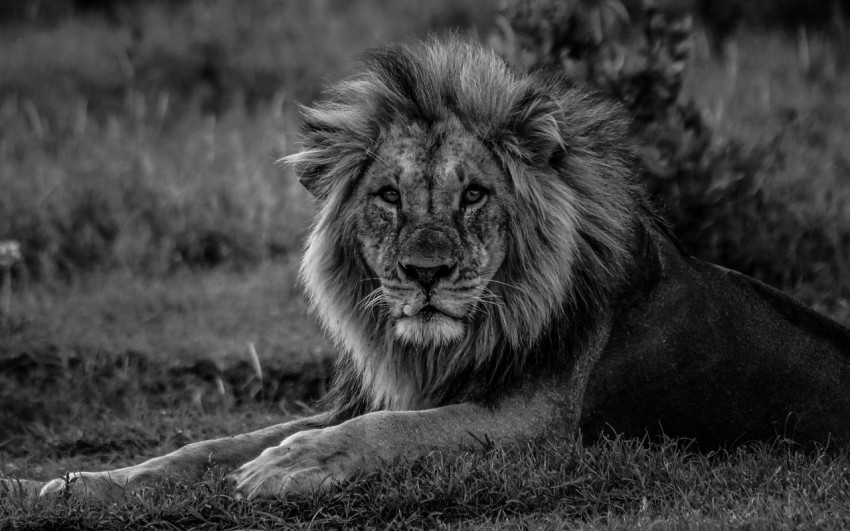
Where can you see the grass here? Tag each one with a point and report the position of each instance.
(190, 316)
(95, 365)
(161, 241)
(136, 194)
(612, 484)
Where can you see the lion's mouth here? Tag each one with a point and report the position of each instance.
(426, 312)
(429, 312)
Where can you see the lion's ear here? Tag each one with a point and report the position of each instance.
(312, 183)
(322, 170)
(536, 127)
(310, 168)
(327, 164)
(337, 142)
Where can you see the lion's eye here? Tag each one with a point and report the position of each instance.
(390, 195)
(473, 195)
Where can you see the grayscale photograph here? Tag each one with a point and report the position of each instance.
(424, 264)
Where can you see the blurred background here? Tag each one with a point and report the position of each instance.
(159, 238)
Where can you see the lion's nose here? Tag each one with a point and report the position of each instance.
(424, 273)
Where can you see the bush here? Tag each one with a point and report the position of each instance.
(712, 191)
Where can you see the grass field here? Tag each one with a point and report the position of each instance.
(161, 243)
(615, 484)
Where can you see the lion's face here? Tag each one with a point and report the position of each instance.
(431, 228)
(476, 213)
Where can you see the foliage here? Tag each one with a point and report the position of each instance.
(711, 189)
(725, 16)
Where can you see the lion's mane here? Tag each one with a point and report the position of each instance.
(571, 229)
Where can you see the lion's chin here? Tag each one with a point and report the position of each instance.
(436, 329)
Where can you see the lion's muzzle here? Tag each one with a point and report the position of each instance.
(428, 257)
(424, 274)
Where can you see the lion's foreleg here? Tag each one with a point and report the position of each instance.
(312, 459)
(189, 463)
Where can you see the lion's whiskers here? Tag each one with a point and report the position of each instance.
(500, 283)
(372, 299)
(485, 301)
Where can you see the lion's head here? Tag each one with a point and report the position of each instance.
(468, 215)
(431, 228)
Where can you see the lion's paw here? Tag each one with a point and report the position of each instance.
(305, 462)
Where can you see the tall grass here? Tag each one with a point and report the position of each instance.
(151, 144)
(141, 193)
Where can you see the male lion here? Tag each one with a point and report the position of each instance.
(489, 268)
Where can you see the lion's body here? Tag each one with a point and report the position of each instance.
(709, 354)
(481, 254)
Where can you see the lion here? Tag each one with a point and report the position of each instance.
(490, 268)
